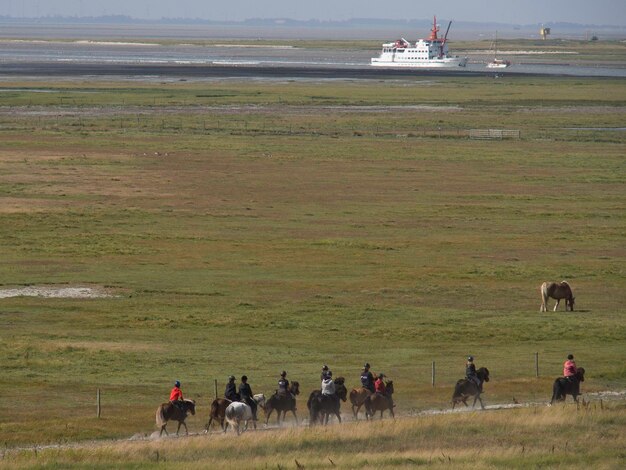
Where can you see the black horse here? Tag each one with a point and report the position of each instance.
(283, 403)
(174, 411)
(568, 386)
(322, 406)
(466, 388)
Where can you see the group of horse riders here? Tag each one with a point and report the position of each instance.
(569, 370)
(374, 384)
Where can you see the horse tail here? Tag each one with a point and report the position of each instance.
(458, 391)
(160, 416)
(557, 392)
(313, 411)
(215, 406)
(544, 297)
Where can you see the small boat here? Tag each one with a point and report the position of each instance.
(425, 53)
(497, 63)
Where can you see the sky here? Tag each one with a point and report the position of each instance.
(598, 12)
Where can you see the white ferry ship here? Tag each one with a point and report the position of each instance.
(426, 53)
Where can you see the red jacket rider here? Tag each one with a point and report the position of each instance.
(379, 385)
(569, 367)
(176, 393)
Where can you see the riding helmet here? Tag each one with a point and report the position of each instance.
(244, 378)
(367, 365)
(177, 383)
(324, 367)
(570, 356)
(381, 375)
(470, 358)
(283, 374)
(231, 377)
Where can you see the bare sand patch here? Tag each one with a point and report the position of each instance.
(78, 292)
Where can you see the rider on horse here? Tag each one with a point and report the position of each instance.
(176, 396)
(283, 384)
(231, 390)
(381, 389)
(325, 372)
(245, 392)
(470, 372)
(328, 386)
(569, 367)
(367, 378)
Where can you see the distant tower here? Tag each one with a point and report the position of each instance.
(544, 32)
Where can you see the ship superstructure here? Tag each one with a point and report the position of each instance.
(425, 53)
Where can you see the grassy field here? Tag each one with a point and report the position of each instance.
(254, 227)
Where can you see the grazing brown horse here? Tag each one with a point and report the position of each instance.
(321, 407)
(283, 403)
(557, 291)
(466, 388)
(568, 386)
(357, 398)
(377, 402)
(169, 411)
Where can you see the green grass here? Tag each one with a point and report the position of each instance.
(289, 234)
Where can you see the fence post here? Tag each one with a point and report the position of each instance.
(433, 374)
(536, 364)
(98, 403)
(215, 386)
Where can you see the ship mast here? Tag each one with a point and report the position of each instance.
(445, 38)
(434, 30)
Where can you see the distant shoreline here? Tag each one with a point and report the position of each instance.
(348, 30)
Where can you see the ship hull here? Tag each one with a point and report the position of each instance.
(498, 64)
(451, 62)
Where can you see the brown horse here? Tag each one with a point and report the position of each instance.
(377, 402)
(283, 403)
(218, 413)
(177, 412)
(466, 388)
(557, 291)
(568, 386)
(357, 398)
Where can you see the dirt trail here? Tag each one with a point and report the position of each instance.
(594, 397)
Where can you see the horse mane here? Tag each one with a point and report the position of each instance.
(340, 380)
(565, 283)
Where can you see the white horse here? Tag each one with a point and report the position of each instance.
(239, 412)
(557, 291)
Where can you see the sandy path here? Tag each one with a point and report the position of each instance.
(588, 398)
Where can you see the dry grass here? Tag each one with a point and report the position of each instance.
(524, 438)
